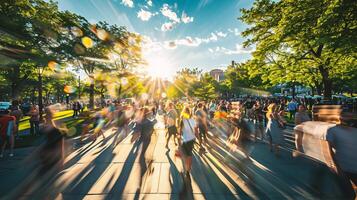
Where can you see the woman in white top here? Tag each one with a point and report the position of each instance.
(188, 131)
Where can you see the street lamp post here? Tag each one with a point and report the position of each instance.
(40, 103)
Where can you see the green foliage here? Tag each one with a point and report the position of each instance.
(306, 41)
(206, 88)
(35, 33)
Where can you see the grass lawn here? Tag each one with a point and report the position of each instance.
(73, 126)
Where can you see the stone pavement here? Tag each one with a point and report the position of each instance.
(114, 169)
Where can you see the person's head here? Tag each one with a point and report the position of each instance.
(170, 105)
(301, 108)
(200, 105)
(186, 112)
(15, 103)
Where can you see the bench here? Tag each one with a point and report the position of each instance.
(325, 139)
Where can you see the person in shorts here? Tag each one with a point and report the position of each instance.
(170, 122)
(188, 131)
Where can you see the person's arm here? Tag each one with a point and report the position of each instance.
(196, 131)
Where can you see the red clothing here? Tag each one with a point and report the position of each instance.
(4, 121)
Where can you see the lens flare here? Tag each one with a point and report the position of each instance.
(69, 89)
(87, 42)
(102, 34)
(53, 66)
(76, 31)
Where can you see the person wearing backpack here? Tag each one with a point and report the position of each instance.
(7, 128)
(188, 130)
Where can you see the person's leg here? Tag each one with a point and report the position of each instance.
(101, 132)
(168, 139)
(37, 127)
(200, 137)
(205, 137)
(12, 144)
(32, 127)
(3, 147)
(188, 163)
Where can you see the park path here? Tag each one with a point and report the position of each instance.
(113, 169)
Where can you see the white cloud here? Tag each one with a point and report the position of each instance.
(188, 41)
(167, 12)
(167, 26)
(239, 49)
(170, 45)
(149, 2)
(221, 34)
(235, 31)
(186, 19)
(213, 37)
(128, 3)
(154, 45)
(151, 45)
(144, 15)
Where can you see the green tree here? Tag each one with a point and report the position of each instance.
(206, 88)
(307, 41)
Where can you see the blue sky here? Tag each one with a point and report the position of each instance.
(177, 34)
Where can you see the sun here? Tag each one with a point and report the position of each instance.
(160, 66)
(156, 71)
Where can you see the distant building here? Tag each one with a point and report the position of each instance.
(217, 74)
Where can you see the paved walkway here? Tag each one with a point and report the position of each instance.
(114, 169)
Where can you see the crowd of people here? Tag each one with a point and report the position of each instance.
(188, 122)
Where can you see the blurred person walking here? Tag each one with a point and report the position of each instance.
(17, 113)
(52, 152)
(301, 116)
(273, 129)
(34, 120)
(292, 107)
(7, 131)
(170, 122)
(201, 119)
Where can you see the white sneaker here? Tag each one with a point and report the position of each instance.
(11, 155)
(1, 155)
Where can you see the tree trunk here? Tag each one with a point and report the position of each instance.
(327, 82)
(14, 82)
(91, 95)
(119, 92)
